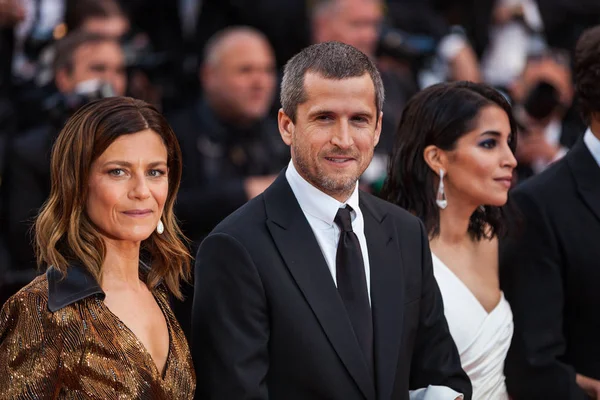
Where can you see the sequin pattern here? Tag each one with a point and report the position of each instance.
(83, 351)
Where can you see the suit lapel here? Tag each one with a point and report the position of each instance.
(386, 294)
(586, 173)
(300, 250)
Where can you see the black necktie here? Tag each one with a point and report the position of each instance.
(352, 283)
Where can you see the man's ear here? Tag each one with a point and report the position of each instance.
(435, 158)
(286, 127)
(378, 129)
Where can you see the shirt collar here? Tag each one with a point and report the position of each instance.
(316, 203)
(593, 144)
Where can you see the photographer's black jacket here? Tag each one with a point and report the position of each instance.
(217, 157)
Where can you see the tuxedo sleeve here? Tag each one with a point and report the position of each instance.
(531, 276)
(435, 358)
(230, 328)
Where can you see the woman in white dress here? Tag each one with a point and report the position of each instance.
(452, 166)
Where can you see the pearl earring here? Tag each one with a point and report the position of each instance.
(160, 228)
(440, 199)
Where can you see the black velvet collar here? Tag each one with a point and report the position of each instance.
(76, 285)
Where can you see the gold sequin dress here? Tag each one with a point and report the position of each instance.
(58, 340)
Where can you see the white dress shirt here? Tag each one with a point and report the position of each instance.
(593, 144)
(320, 210)
(552, 132)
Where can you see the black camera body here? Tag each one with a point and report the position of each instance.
(542, 100)
(61, 106)
(405, 46)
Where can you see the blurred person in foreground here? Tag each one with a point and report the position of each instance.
(549, 269)
(452, 166)
(315, 289)
(87, 66)
(112, 250)
(231, 147)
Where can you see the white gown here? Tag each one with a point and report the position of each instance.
(482, 338)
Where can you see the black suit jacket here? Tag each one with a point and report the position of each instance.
(268, 321)
(550, 272)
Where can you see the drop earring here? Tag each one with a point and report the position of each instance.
(160, 228)
(440, 199)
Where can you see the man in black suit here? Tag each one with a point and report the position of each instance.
(314, 290)
(551, 271)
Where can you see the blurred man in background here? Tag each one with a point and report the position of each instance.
(231, 147)
(89, 57)
(542, 103)
(227, 137)
(104, 17)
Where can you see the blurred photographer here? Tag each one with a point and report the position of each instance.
(515, 28)
(84, 56)
(451, 56)
(543, 96)
(107, 17)
(34, 40)
(87, 66)
(231, 147)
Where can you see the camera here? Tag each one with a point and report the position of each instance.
(60, 106)
(542, 100)
(404, 46)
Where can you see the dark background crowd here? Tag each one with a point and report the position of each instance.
(213, 67)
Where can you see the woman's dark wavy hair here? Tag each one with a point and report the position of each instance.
(439, 115)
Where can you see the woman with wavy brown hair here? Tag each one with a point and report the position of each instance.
(97, 324)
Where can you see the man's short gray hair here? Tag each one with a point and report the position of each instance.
(214, 44)
(331, 60)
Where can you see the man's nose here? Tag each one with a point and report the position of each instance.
(342, 136)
